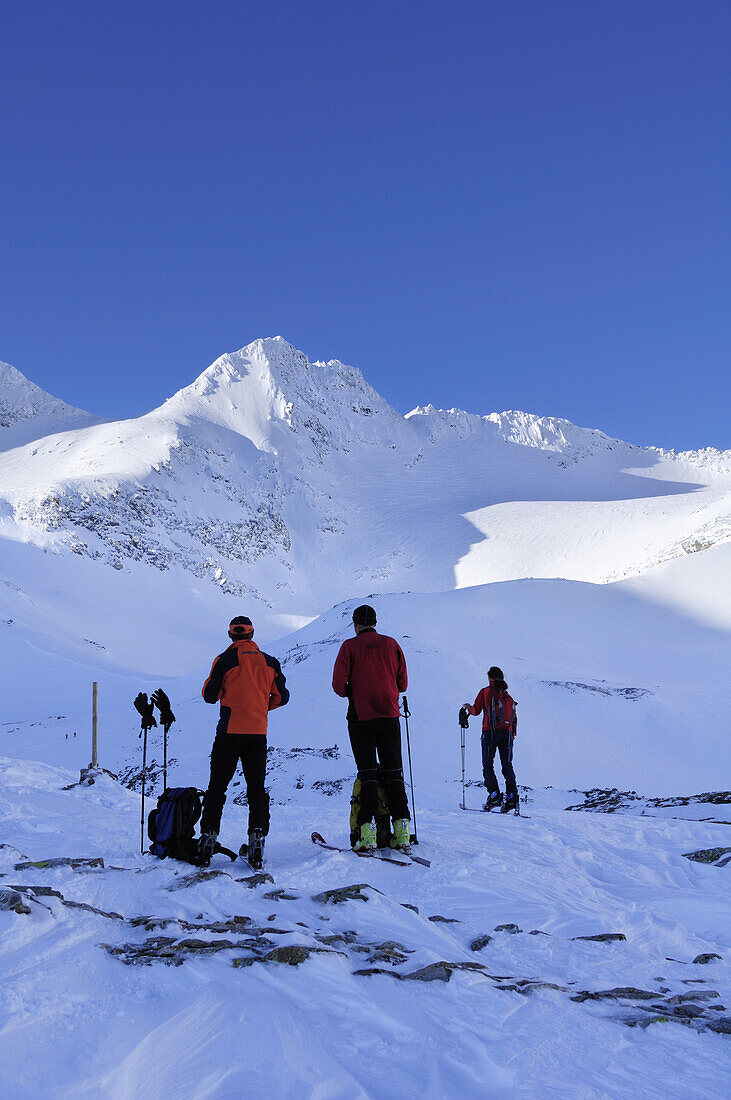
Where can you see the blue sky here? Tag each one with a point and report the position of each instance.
(489, 205)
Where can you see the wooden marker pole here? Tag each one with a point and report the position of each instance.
(94, 718)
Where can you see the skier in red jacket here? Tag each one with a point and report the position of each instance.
(370, 671)
(499, 730)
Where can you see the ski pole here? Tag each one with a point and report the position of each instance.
(165, 758)
(407, 714)
(144, 772)
(463, 726)
(144, 708)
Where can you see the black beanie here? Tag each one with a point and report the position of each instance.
(364, 615)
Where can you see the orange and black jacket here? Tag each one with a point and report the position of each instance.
(248, 684)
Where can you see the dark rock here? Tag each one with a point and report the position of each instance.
(537, 932)
(434, 972)
(280, 895)
(706, 855)
(296, 954)
(46, 864)
(38, 891)
(367, 971)
(480, 942)
(513, 929)
(390, 951)
(344, 893)
(195, 878)
(336, 937)
(692, 1012)
(413, 908)
(259, 879)
(438, 919)
(722, 1025)
(709, 957)
(603, 937)
(12, 902)
(91, 909)
(620, 992)
(699, 995)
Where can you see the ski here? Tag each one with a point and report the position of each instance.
(318, 839)
(479, 810)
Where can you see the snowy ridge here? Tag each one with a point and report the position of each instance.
(267, 465)
(21, 399)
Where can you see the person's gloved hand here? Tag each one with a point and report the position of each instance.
(144, 708)
(464, 717)
(161, 701)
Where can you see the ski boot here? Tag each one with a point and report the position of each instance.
(494, 798)
(206, 845)
(401, 836)
(366, 842)
(255, 850)
(511, 803)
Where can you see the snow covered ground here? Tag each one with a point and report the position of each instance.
(145, 995)
(593, 572)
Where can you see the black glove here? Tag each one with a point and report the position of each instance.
(144, 707)
(464, 717)
(161, 701)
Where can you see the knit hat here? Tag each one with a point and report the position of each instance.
(364, 615)
(240, 626)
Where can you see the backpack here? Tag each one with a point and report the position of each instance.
(502, 712)
(171, 826)
(383, 818)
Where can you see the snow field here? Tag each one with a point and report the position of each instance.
(98, 1027)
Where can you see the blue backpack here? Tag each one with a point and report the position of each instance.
(171, 826)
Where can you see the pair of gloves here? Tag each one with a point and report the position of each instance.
(144, 708)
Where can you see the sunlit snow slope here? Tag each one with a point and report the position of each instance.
(292, 485)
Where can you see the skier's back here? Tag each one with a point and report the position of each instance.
(248, 684)
(370, 671)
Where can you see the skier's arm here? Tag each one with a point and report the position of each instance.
(402, 676)
(279, 693)
(514, 723)
(341, 674)
(213, 687)
(478, 706)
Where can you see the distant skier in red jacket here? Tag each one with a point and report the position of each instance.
(370, 671)
(499, 730)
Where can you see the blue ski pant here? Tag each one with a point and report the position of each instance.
(498, 741)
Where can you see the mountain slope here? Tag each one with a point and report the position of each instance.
(290, 485)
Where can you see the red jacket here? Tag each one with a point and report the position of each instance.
(484, 703)
(370, 670)
(248, 684)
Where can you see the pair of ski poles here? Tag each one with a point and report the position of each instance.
(145, 708)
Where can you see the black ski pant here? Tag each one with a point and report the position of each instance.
(228, 749)
(498, 741)
(378, 742)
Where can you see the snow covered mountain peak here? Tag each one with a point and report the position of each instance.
(270, 392)
(21, 399)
